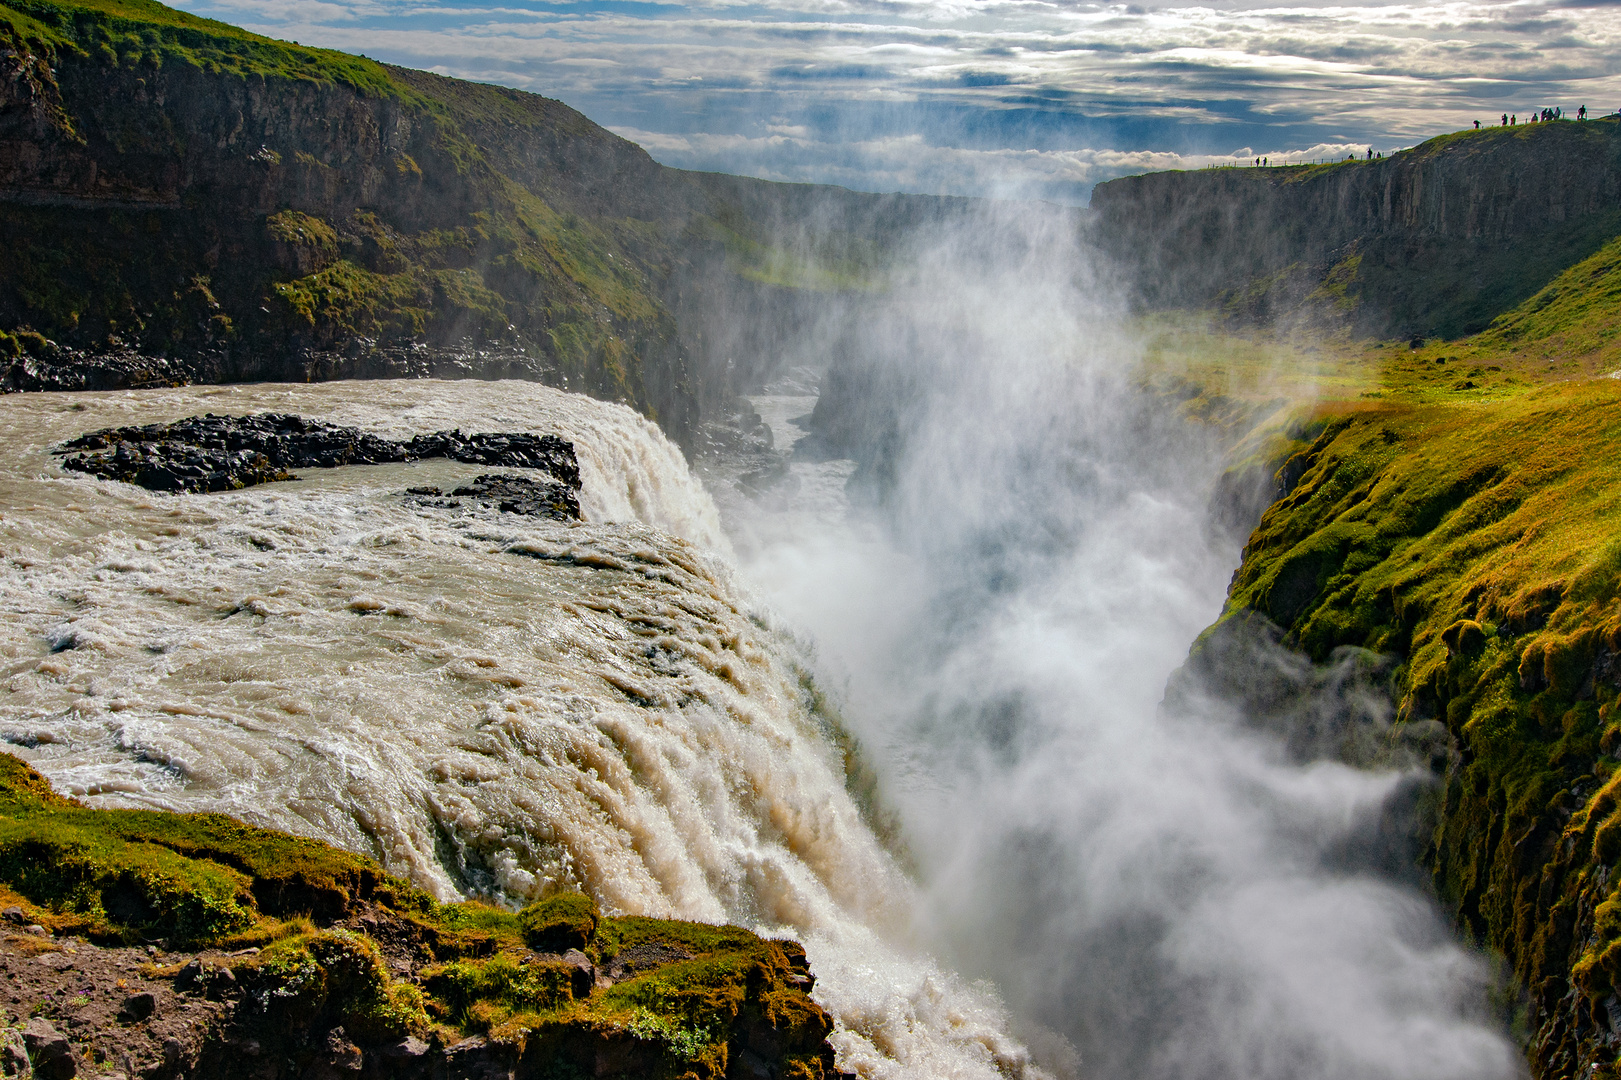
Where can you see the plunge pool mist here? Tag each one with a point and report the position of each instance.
(1162, 891)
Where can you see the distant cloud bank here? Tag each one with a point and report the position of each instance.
(1020, 98)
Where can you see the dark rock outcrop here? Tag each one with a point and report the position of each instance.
(508, 494)
(226, 453)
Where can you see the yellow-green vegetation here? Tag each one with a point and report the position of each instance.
(119, 875)
(1458, 506)
(556, 982)
(687, 992)
(333, 975)
(1573, 325)
(131, 33)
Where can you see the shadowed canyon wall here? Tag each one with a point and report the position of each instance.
(1433, 241)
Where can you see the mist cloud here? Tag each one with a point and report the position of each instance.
(1195, 885)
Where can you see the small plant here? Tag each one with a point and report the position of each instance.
(685, 1043)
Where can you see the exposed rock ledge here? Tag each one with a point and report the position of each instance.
(225, 453)
(159, 946)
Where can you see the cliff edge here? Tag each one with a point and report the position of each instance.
(1435, 241)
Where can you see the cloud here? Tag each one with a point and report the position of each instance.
(970, 78)
(907, 163)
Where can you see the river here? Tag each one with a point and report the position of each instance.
(1054, 875)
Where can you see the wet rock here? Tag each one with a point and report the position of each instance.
(190, 977)
(227, 453)
(341, 1053)
(522, 495)
(644, 957)
(409, 1048)
(221, 983)
(479, 1059)
(50, 1051)
(584, 977)
(13, 914)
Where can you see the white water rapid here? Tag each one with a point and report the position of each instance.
(502, 705)
(478, 700)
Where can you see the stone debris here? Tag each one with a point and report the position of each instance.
(507, 493)
(50, 1050)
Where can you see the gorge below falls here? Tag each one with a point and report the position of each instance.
(927, 735)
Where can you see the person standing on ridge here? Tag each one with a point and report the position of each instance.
(1477, 125)
(1505, 119)
(1581, 113)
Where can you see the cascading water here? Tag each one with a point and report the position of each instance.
(483, 702)
(503, 705)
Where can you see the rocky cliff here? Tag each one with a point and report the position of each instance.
(1454, 530)
(158, 945)
(1433, 241)
(181, 200)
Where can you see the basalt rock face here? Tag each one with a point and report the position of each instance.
(183, 201)
(1436, 240)
(227, 453)
(306, 216)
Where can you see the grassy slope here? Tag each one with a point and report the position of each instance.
(204, 880)
(511, 219)
(130, 32)
(1458, 506)
(363, 276)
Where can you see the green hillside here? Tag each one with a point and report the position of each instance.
(183, 200)
(1458, 507)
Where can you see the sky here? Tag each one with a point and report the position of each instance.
(1009, 98)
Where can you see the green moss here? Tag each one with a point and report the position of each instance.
(333, 976)
(480, 994)
(696, 992)
(303, 231)
(563, 922)
(1577, 316)
(128, 874)
(1477, 541)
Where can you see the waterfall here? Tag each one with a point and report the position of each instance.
(1164, 884)
(487, 704)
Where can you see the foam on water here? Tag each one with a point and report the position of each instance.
(482, 702)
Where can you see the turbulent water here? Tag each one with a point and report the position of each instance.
(500, 706)
(485, 703)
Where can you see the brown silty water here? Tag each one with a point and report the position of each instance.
(488, 704)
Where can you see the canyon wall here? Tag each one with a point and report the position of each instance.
(183, 201)
(1433, 241)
